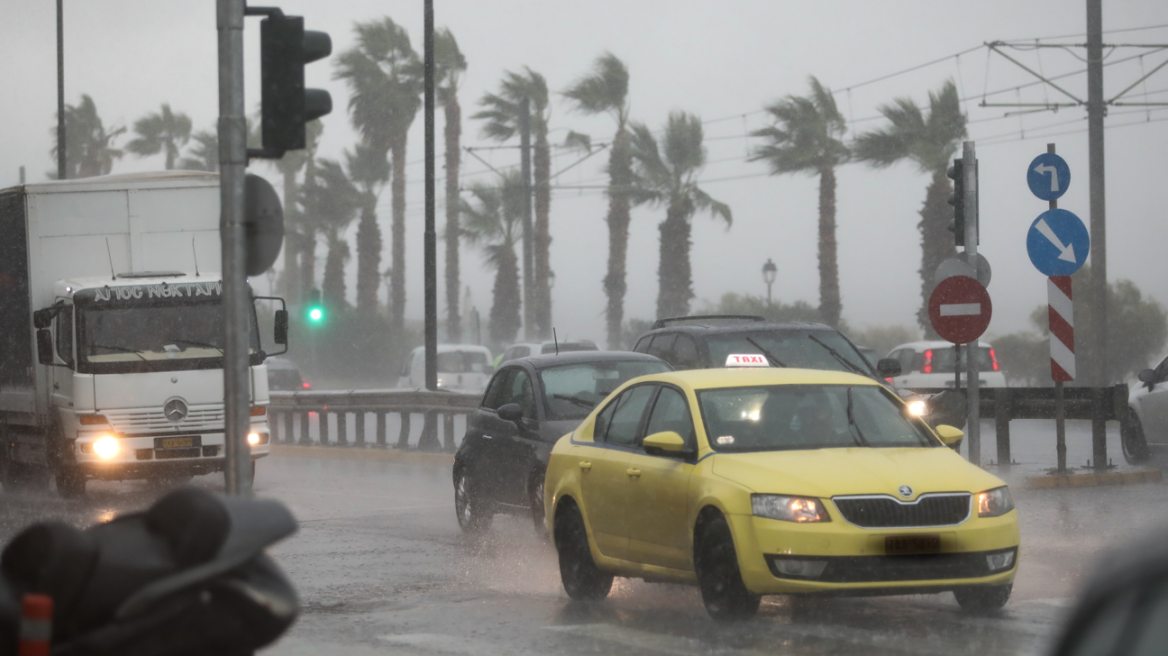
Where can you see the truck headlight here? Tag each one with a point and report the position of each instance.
(106, 447)
(788, 509)
(253, 438)
(995, 502)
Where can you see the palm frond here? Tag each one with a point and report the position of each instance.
(605, 89)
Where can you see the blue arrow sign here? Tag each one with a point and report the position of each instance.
(1058, 243)
(1048, 176)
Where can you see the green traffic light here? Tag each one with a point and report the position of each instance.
(316, 315)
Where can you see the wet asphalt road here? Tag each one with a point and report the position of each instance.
(382, 568)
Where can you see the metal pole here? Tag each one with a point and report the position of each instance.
(972, 352)
(528, 251)
(429, 236)
(60, 90)
(956, 366)
(1060, 410)
(232, 165)
(1096, 109)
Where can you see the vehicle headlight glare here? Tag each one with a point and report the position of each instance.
(995, 502)
(789, 509)
(106, 447)
(253, 438)
(917, 408)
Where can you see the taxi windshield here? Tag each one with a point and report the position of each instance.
(573, 390)
(788, 417)
(803, 349)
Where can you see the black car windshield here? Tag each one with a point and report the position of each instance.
(573, 390)
(787, 417)
(794, 348)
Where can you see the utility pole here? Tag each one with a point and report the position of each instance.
(429, 236)
(232, 167)
(1096, 109)
(528, 252)
(972, 352)
(60, 90)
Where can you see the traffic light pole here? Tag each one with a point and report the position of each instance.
(972, 352)
(232, 167)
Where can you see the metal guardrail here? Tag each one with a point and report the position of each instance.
(1099, 404)
(288, 408)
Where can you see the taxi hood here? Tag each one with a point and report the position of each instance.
(854, 470)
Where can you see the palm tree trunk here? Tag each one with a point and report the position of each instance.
(620, 172)
(290, 276)
(397, 272)
(830, 305)
(333, 285)
(368, 261)
(542, 172)
(453, 135)
(937, 243)
(307, 262)
(674, 276)
(505, 319)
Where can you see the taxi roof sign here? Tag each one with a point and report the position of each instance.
(746, 360)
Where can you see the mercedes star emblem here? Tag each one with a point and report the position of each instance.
(905, 491)
(175, 410)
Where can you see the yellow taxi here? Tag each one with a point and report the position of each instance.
(775, 481)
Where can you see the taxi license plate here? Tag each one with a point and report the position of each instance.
(898, 545)
(176, 442)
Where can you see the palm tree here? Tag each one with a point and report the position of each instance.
(449, 64)
(330, 202)
(807, 138)
(667, 175)
(369, 170)
(495, 226)
(163, 132)
(930, 142)
(203, 155)
(300, 239)
(385, 76)
(89, 148)
(503, 113)
(605, 90)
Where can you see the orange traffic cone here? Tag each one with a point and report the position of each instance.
(36, 625)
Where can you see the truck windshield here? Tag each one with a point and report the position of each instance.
(156, 337)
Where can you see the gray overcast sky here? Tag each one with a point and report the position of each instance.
(720, 60)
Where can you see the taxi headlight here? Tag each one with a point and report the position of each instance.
(788, 509)
(995, 502)
(106, 447)
(918, 407)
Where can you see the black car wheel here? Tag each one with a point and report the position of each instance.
(716, 561)
(583, 580)
(535, 495)
(70, 483)
(983, 598)
(1134, 441)
(473, 511)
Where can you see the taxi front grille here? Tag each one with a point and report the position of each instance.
(887, 512)
(137, 422)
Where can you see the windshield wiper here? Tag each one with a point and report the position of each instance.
(190, 343)
(858, 436)
(575, 399)
(119, 348)
(774, 361)
(844, 361)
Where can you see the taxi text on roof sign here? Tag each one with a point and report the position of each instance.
(746, 360)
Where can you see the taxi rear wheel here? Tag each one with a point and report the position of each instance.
(983, 598)
(473, 511)
(725, 594)
(583, 580)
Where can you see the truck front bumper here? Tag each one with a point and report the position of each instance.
(146, 456)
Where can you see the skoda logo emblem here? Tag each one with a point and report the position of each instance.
(905, 491)
(175, 410)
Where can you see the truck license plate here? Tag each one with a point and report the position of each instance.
(176, 442)
(897, 545)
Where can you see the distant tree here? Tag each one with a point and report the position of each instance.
(493, 223)
(369, 169)
(330, 202)
(501, 114)
(605, 90)
(385, 77)
(203, 155)
(89, 148)
(449, 65)
(161, 132)
(770, 310)
(883, 339)
(299, 274)
(929, 141)
(666, 174)
(807, 137)
(1024, 358)
(631, 333)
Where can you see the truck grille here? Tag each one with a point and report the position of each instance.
(945, 509)
(137, 422)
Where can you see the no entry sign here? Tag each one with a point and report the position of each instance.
(960, 309)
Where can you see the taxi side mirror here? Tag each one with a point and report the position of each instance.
(949, 435)
(663, 443)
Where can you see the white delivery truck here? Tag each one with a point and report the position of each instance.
(111, 322)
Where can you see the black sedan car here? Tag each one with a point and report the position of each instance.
(528, 405)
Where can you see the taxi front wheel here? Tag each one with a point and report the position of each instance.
(725, 594)
(983, 598)
(583, 580)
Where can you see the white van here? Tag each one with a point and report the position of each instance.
(461, 368)
(930, 365)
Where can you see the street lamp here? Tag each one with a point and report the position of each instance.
(769, 273)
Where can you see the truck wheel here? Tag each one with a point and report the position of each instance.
(725, 594)
(981, 599)
(70, 484)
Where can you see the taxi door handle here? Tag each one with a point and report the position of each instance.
(634, 473)
(585, 465)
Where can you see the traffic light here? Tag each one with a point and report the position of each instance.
(957, 200)
(314, 311)
(285, 47)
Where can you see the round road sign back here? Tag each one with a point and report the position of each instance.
(960, 309)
